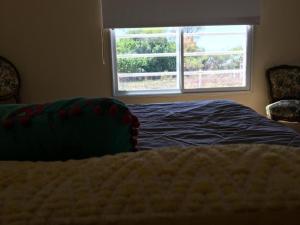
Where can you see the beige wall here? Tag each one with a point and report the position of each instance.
(56, 46)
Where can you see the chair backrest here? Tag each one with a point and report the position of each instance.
(9, 82)
(284, 82)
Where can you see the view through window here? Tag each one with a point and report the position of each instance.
(179, 59)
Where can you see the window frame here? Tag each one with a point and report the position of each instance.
(180, 64)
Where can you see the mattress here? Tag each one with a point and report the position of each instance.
(229, 184)
(207, 122)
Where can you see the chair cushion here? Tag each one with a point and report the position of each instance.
(288, 110)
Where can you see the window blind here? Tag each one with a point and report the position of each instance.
(163, 13)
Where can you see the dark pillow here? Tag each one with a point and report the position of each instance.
(67, 129)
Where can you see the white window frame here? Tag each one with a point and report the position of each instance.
(180, 57)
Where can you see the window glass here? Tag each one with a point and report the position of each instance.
(147, 59)
(214, 57)
(180, 59)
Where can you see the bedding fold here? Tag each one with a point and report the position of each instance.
(208, 122)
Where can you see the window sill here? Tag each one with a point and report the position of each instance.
(146, 93)
(185, 92)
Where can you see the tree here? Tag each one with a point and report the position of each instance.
(223, 62)
(145, 46)
(192, 63)
(168, 45)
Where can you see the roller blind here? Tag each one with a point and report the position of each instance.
(159, 13)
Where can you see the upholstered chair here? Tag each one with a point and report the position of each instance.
(284, 84)
(9, 82)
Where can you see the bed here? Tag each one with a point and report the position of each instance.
(211, 162)
(212, 185)
(208, 122)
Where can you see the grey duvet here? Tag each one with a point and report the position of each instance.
(208, 122)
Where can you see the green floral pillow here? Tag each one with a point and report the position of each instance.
(67, 129)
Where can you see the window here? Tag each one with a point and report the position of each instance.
(181, 59)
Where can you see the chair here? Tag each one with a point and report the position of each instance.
(9, 82)
(284, 84)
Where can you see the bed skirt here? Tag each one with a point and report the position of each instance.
(229, 184)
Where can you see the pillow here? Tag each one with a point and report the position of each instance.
(66, 129)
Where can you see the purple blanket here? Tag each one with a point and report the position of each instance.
(208, 122)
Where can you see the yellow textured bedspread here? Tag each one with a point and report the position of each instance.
(233, 184)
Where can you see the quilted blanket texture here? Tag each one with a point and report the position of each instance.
(230, 184)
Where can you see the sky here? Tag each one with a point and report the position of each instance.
(215, 43)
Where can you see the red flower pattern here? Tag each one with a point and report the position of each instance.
(97, 110)
(127, 118)
(63, 114)
(75, 111)
(113, 110)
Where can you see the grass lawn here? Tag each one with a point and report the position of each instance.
(191, 82)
